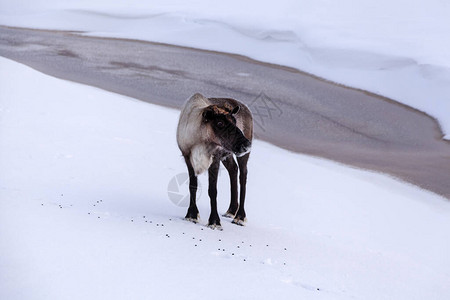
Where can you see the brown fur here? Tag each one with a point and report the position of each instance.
(210, 130)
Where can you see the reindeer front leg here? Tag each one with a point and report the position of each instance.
(213, 172)
(192, 213)
(240, 217)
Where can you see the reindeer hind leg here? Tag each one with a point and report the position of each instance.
(192, 213)
(232, 168)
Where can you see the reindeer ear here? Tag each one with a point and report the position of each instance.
(236, 110)
(207, 114)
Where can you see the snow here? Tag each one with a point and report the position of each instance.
(397, 49)
(85, 212)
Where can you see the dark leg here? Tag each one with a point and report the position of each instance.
(192, 213)
(214, 220)
(232, 169)
(240, 215)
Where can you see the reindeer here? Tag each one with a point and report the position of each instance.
(210, 131)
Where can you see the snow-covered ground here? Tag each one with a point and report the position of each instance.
(85, 212)
(398, 49)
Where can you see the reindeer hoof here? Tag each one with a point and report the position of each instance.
(228, 215)
(215, 227)
(214, 222)
(239, 221)
(193, 220)
(191, 217)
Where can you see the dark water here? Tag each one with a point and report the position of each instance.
(291, 109)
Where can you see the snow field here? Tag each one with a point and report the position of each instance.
(396, 49)
(85, 212)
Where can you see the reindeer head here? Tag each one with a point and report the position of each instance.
(227, 135)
